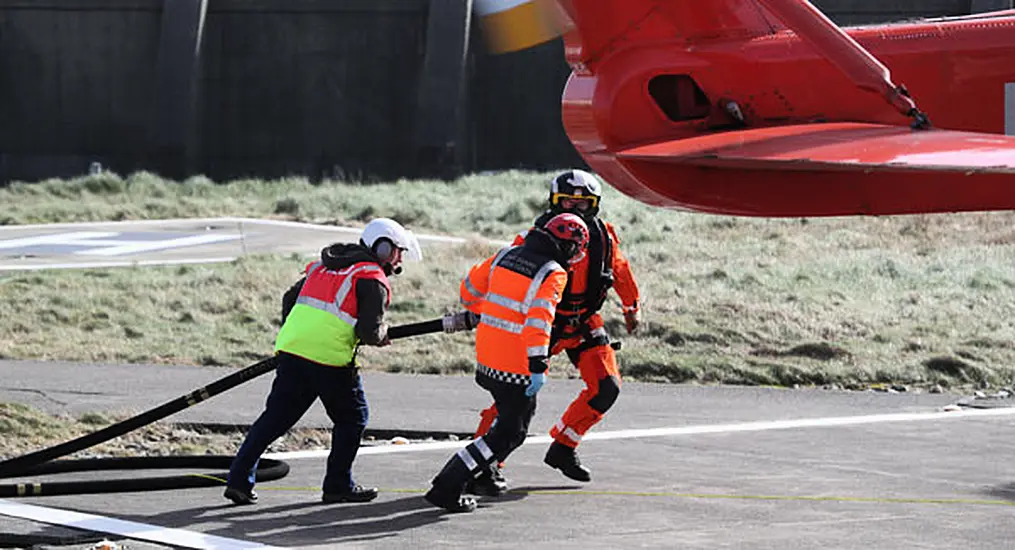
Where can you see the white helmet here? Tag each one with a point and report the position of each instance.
(383, 235)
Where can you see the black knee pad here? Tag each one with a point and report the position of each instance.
(609, 390)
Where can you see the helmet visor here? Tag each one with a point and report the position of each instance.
(410, 248)
(577, 202)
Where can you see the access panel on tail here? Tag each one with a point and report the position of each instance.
(757, 108)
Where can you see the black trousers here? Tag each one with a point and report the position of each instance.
(514, 413)
(298, 383)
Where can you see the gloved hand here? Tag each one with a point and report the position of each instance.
(632, 318)
(536, 381)
(462, 320)
(537, 375)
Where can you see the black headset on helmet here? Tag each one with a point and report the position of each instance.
(384, 250)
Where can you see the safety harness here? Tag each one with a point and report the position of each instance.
(575, 310)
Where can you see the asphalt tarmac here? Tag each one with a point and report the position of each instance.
(674, 466)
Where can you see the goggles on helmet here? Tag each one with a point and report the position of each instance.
(592, 200)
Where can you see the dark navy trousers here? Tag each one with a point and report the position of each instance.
(298, 383)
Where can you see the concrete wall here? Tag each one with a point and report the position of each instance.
(311, 87)
(75, 81)
(301, 86)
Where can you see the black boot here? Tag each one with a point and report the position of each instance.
(454, 503)
(240, 496)
(490, 483)
(448, 486)
(356, 494)
(565, 459)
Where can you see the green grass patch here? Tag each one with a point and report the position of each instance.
(917, 300)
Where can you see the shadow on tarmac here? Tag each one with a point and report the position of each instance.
(305, 523)
(1003, 492)
(299, 524)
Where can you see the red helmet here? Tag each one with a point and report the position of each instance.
(571, 235)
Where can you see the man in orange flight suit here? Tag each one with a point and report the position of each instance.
(516, 293)
(578, 328)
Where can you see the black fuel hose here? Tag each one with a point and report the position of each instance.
(416, 329)
(44, 461)
(268, 470)
(17, 466)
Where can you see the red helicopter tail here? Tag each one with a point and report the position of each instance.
(595, 29)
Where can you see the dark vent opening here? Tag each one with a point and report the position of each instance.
(679, 96)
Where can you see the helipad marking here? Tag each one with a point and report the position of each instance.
(124, 263)
(136, 247)
(177, 538)
(56, 238)
(685, 430)
(101, 243)
(192, 225)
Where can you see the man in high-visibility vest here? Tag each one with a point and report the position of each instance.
(339, 304)
(516, 293)
(578, 329)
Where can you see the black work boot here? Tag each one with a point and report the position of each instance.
(490, 483)
(565, 459)
(448, 500)
(356, 494)
(239, 496)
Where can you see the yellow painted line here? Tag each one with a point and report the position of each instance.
(667, 494)
(807, 498)
(206, 476)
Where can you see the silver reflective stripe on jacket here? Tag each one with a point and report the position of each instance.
(523, 307)
(334, 307)
(472, 288)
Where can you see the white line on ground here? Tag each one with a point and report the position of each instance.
(178, 221)
(125, 263)
(225, 220)
(148, 246)
(56, 238)
(177, 538)
(760, 426)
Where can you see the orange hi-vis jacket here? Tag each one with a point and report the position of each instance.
(603, 255)
(321, 326)
(516, 292)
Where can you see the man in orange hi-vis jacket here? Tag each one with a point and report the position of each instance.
(516, 293)
(578, 328)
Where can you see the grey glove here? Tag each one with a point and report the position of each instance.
(462, 320)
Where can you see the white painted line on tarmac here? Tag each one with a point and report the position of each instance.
(760, 426)
(170, 221)
(140, 247)
(148, 246)
(220, 221)
(176, 538)
(124, 263)
(56, 238)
